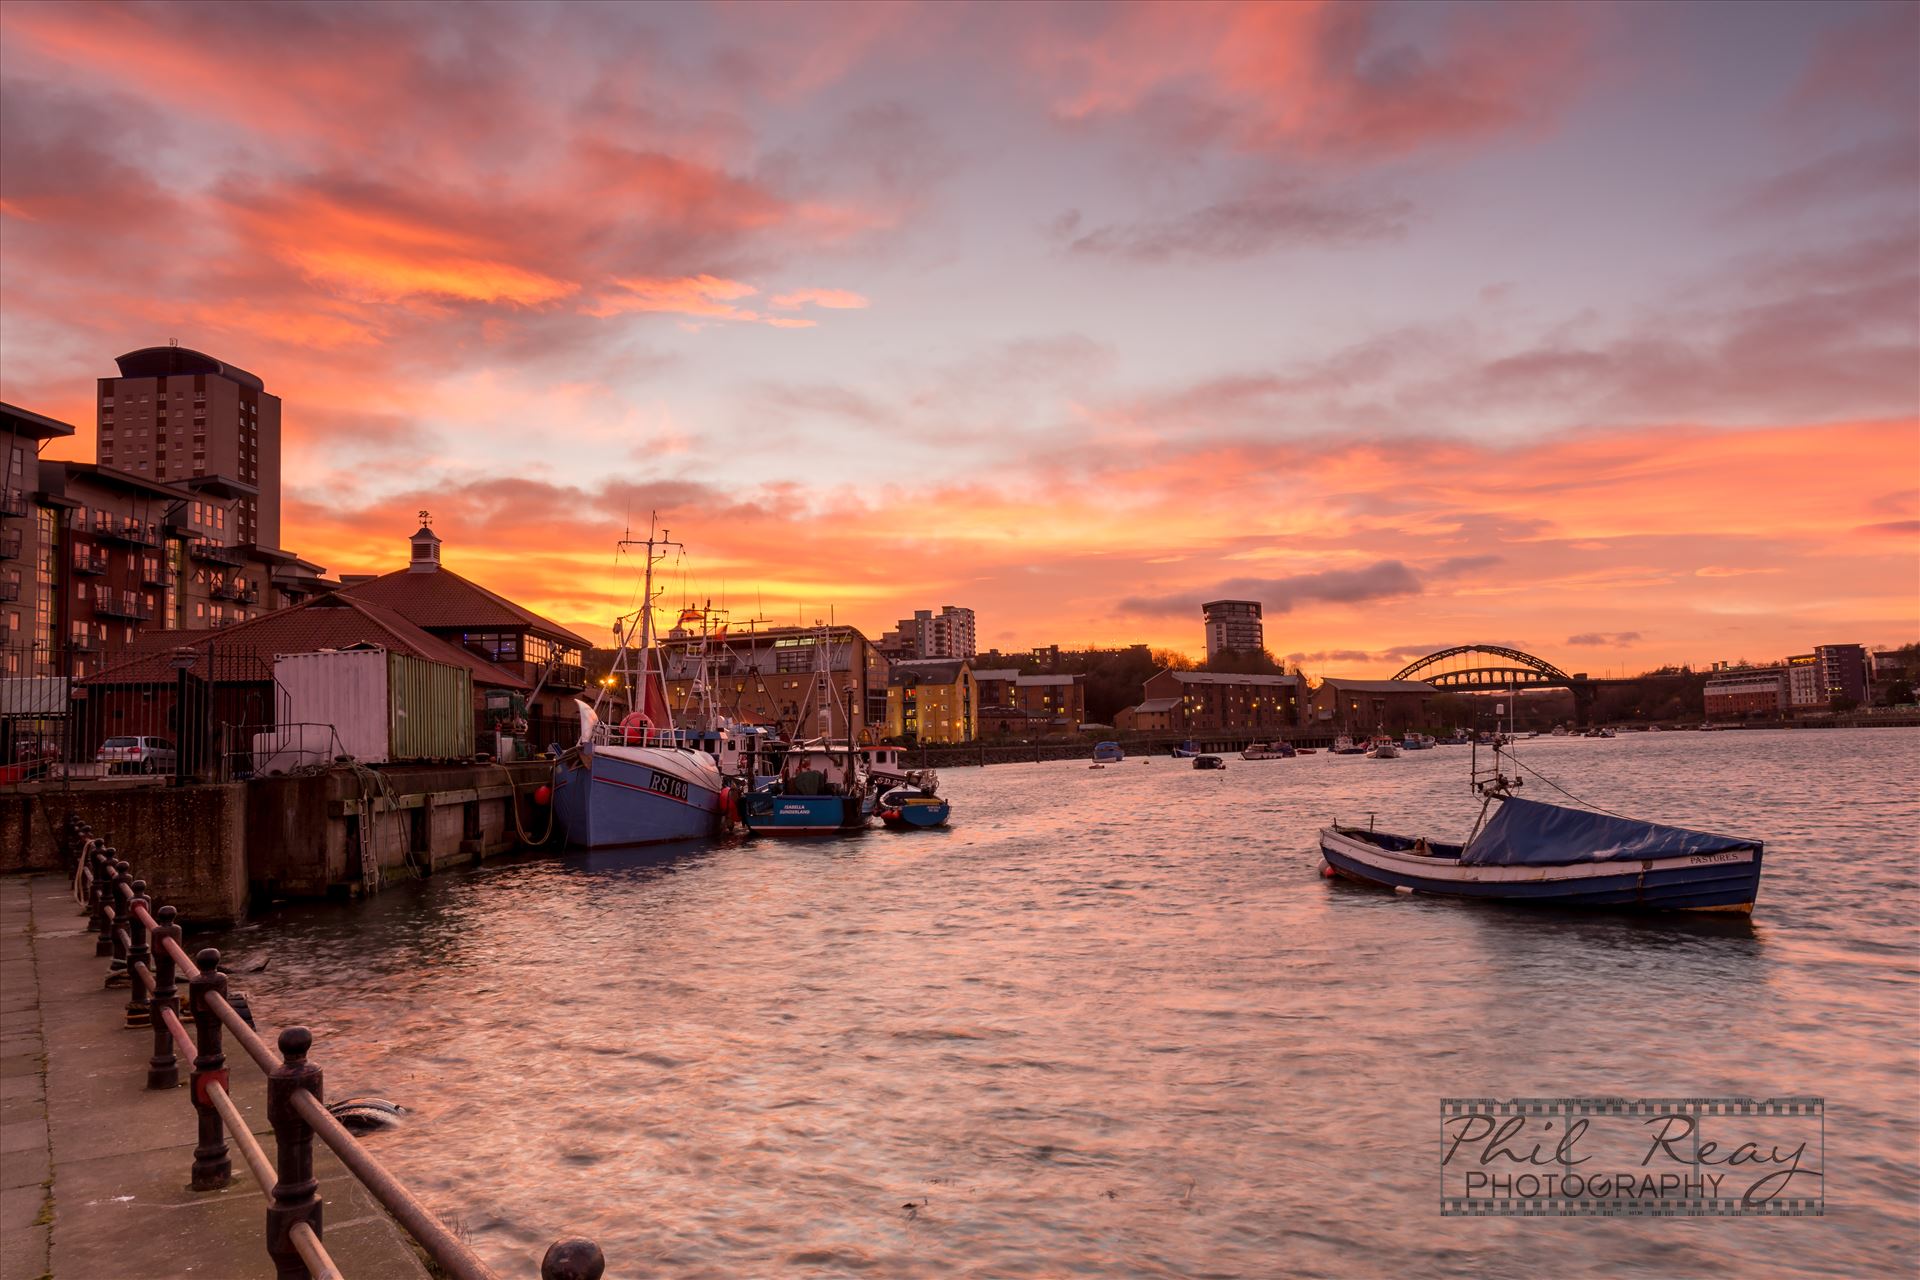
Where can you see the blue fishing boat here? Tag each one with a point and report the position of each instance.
(628, 786)
(1186, 750)
(1531, 851)
(641, 781)
(1108, 753)
(821, 790)
(825, 785)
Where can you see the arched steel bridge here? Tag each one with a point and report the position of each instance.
(1487, 668)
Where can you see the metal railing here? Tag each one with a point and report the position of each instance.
(234, 591)
(213, 552)
(146, 955)
(88, 562)
(10, 544)
(139, 533)
(122, 604)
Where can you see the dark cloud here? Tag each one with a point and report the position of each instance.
(1603, 639)
(1897, 527)
(1242, 228)
(1382, 580)
(1455, 566)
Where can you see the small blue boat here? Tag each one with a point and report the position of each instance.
(1186, 750)
(1530, 851)
(1108, 753)
(910, 808)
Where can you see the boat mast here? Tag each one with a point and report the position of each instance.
(659, 540)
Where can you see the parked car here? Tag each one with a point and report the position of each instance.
(136, 755)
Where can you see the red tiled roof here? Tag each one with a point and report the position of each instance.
(333, 621)
(443, 598)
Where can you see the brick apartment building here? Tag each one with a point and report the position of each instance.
(174, 414)
(1359, 707)
(765, 677)
(1013, 705)
(1748, 693)
(1209, 701)
(90, 555)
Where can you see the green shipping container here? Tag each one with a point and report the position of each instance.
(430, 705)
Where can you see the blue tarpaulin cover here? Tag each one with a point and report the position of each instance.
(1527, 833)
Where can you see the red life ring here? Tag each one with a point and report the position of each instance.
(634, 729)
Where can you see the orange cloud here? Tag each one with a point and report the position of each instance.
(707, 297)
(837, 299)
(1482, 542)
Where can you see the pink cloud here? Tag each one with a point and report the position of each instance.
(1318, 76)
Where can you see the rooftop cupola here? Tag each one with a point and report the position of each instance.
(426, 548)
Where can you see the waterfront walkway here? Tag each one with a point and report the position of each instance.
(94, 1166)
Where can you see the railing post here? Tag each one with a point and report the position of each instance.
(109, 899)
(138, 1014)
(122, 877)
(163, 1068)
(573, 1260)
(97, 894)
(212, 1166)
(296, 1192)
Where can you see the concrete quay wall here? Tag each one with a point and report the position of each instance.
(211, 849)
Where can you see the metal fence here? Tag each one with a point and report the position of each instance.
(183, 715)
(144, 944)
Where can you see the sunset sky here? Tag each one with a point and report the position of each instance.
(1586, 329)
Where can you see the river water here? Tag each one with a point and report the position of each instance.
(1114, 1023)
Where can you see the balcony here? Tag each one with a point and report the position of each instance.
(83, 644)
(10, 544)
(568, 675)
(13, 502)
(9, 591)
(213, 552)
(122, 604)
(235, 591)
(90, 563)
(136, 533)
(154, 575)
